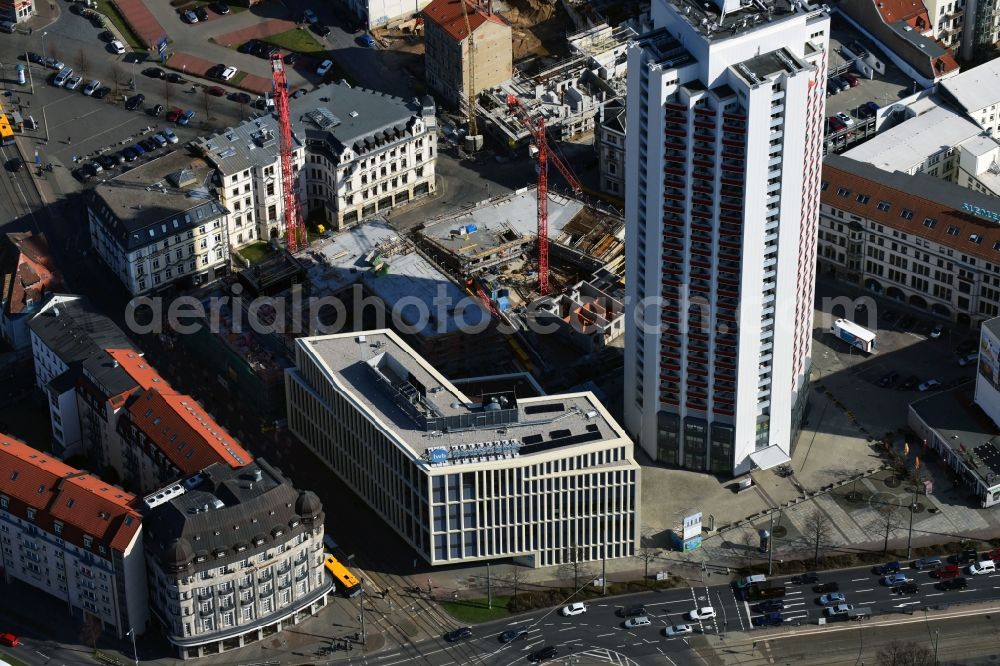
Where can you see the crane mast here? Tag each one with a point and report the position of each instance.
(536, 127)
(470, 93)
(294, 231)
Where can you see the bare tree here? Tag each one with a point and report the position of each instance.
(898, 653)
(90, 630)
(818, 530)
(749, 540)
(514, 580)
(166, 93)
(82, 63)
(574, 566)
(887, 518)
(208, 102)
(647, 554)
(118, 75)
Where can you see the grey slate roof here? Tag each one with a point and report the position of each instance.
(233, 503)
(254, 143)
(145, 204)
(354, 118)
(78, 333)
(613, 115)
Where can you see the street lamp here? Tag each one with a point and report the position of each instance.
(43, 44)
(135, 653)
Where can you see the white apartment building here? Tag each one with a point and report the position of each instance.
(461, 478)
(247, 165)
(68, 339)
(234, 556)
(366, 152)
(947, 20)
(914, 238)
(378, 13)
(976, 92)
(725, 113)
(73, 536)
(159, 226)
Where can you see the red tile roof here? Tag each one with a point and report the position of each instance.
(948, 217)
(28, 271)
(186, 434)
(448, 15)
(145, 375)
(82, 502)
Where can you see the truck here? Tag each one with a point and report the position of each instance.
(764, 590)
(858, 337)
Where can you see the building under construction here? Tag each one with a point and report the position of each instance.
(496, 245)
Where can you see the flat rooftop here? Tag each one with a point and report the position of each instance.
(347, 259)
(965, 428)
(907, 145)
(714, 24)
(975, 88)
(517, 212)
(400, 389)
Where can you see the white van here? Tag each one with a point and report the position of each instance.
(747, 581)
(635, 622)
(984, 567)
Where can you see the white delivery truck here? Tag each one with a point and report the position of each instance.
(858, 337)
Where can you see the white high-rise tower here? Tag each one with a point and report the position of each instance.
(723, 155)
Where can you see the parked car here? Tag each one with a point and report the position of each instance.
(220, 8)
(155, 111)
(320, 29)
(130, 154)
(161, 142)
(73, 82)
(932, 562)
(631, 611)
(543, 654)
(324, 67)
(578, 608)
(240, 97)
(10, 640)
(675, 630)
(101, 92)
(908, 588)
(139, 150)
(806, 579)
(831, 586)
(770, 605)
(969, 359)
(873, 107)
(154, 73)
(201, 13)
(909, 383)
(185, 117)
(248, 46)
(831, 599)
(836, 124)
(929, 385)
(983, 567)
(309, 16)
(895, 579)
(135, 101)
(14, 164)
(513, 634)
(888, 379)
(228, 73)
(367, 41)
(946, 572)
(959, 583)
(839, 609)
(54, 63)
(846, 119)
(190, 16)
(92, 87)
(8, 27)
(173, 115)
(863, 112)
(116, 47)
(174, 77)
(149, 145)
(108, 161)
(852, 80)
(298, 93)
(703, 613)
(766, 620)
(291, 58)
(637, 622)
(169, 135)
(215, 91)
(887, 568)
(460, 634)
(81, 174)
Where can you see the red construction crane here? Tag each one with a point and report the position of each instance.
(294, 231)
(536, 127)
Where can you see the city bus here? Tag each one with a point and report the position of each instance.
(347, 583)
(6, 129)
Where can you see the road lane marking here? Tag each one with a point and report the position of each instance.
(870, 589)
(855, 580)
(604, 635)
(935, 594)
